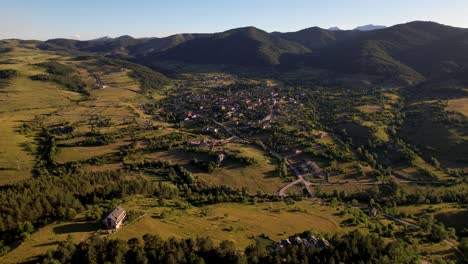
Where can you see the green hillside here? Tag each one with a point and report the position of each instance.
(243, 46)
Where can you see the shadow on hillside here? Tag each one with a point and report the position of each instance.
(270, 174)
(47, 244)
(76, 227)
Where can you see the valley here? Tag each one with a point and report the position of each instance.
(243, 149)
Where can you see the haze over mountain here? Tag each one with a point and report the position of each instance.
(369, 27)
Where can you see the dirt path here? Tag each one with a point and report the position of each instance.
(403, 222)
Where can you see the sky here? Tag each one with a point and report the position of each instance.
(88, 19)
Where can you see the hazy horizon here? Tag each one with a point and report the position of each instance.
(94, 19)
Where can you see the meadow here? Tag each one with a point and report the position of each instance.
(236, 222)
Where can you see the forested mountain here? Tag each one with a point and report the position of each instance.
(410, 52)
(242, 46)
(125, 45)
(316, 38)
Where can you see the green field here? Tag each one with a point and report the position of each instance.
(258, 177)
(123, 127)
(237, 222)
(23, 99)
(47, 238)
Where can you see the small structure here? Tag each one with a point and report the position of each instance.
(309, 242)
(373, 212)
(219, 158)
(115, 218)
(309, 167)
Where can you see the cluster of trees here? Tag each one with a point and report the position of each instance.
(48, 198)
(282, 168)
(100, 121)
(351, 248)
(240, 158)
(436, 230)
(45, 153)
(8, 74)
(45, 198)
(174, 172)
(205, 165)
(98, 139)
(392, 194)
(197, 193)
(167, 142)
(234, 155)
(62, 75)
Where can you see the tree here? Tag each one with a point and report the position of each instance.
(28, 227)
(136, 253)
(464, 246)
(282, 168)
(438, 233)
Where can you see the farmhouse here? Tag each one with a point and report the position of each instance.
(309, 167)
(115, 218)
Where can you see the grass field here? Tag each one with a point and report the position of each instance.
(15, 162)
(257, 177)
(47, 238)
(237, 222)
(368, 109)
(458, 105)
(82, 153)
(22, 99)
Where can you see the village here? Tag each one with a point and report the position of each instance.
(240, 106)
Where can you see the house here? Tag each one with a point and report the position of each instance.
(115, 218)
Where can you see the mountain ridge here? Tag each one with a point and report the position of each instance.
(411, 52)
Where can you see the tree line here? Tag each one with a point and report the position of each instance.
(353, 247)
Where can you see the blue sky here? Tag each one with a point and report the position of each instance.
(85, 19)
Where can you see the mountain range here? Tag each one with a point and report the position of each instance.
(411, 52)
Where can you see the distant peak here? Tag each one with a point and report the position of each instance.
(369, 27)
(124, 37)
(105, 38)
(334, 28)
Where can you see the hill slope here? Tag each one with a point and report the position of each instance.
(122, 45)
(410, 52)
(243, 46)
(315, 37)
